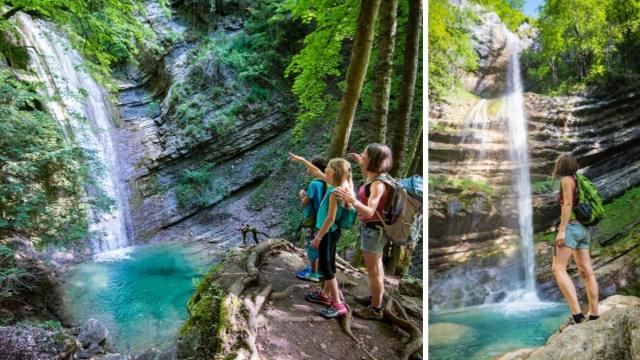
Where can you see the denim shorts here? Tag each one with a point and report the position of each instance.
(577, 236)
(309, 234)
(372, 240)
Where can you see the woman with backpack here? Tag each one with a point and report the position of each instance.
(573, 238)
(375, 161)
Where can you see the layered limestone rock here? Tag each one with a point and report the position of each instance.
(234, 142)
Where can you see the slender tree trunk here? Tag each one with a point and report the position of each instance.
(355, 76)
(416, 154)
(407, 89)
(357, 260)
(384, 68)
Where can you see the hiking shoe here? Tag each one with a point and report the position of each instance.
(302, 274)
(317, 297)
(313, 276)
(369, 313)
(333, 311)
(570, 322)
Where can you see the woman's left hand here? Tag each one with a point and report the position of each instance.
(560, 239)
(345, 195)
(315, 243)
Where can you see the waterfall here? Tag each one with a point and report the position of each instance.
(478, 119)
(519, 153)
(81, 107)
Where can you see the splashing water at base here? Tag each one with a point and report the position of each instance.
(139, 293)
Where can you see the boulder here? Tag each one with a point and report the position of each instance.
(93, 336)
(31, 341)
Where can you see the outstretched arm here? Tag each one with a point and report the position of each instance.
(358, 158)
(313, 171)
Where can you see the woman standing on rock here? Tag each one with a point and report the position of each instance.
(573, 238)
(374, 162)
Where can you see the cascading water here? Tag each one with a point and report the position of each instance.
(519, 153)
(83, 113)
(478, 119)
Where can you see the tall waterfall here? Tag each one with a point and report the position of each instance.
(519, 153)
(82, 109)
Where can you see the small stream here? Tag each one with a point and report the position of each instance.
(139, 293)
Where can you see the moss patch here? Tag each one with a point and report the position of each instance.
(205, 312)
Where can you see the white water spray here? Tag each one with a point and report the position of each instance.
(83, 113)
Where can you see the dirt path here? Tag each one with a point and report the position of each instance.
(291, 328)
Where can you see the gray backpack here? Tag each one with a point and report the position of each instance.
(402, 213)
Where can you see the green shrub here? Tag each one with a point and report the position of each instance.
(195, 187)
(545, 186)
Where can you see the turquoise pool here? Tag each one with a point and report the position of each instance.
(481, 333)
(139, 293)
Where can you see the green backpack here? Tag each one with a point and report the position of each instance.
(589, 210)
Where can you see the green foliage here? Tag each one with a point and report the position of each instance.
(465, 185)
(508, 10)
(43, 178)
(450, 47)
(9, 273)
(224, 66)
(153, 108)
(321, 59)
(348, 241)
(107, 32)
(620, 213)
(585, 43)
(198, 187)
(545, 186)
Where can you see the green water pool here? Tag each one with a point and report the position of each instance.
(139, 293)
(485, 332)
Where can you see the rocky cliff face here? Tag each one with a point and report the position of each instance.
(184, 110)
(473, 244)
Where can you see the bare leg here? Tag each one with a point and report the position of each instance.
(375, 271)
(332, 288)
(565, 284)
(314, 266)
(583, 261)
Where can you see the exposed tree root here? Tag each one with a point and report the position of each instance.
(253, 308)
(404, 323)
(286, 292)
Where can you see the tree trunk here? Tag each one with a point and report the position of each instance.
(384, 69)
(416, 155)
(407, 89)
(360, 54)
(357, 260)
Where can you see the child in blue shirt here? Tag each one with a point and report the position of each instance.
(311, 200)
